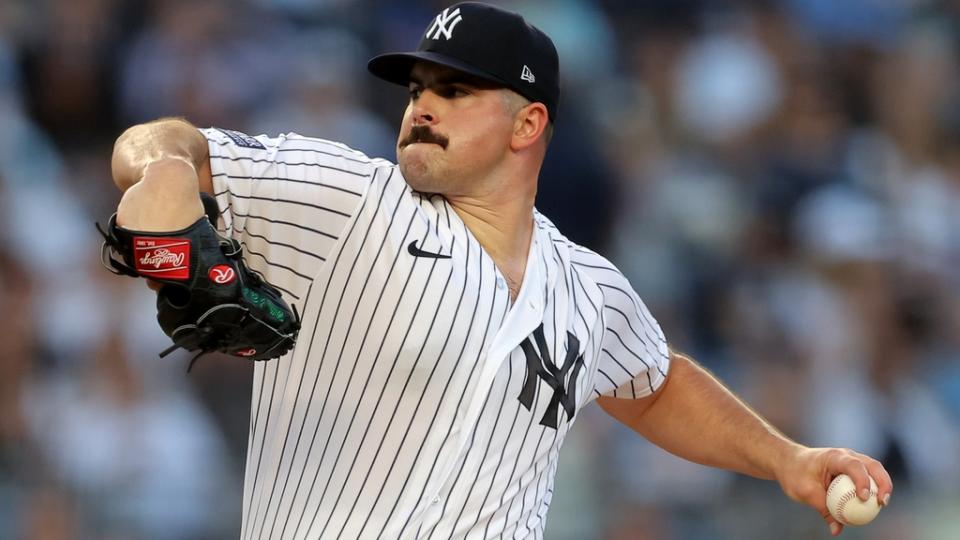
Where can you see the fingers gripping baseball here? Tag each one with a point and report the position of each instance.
(861, 468)
(806, 478)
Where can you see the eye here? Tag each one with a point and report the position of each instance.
(450, 91)
(415, 92)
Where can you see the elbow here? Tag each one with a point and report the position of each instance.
(142, 144)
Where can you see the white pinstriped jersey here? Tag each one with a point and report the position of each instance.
(419, 401)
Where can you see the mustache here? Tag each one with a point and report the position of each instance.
(425, 135)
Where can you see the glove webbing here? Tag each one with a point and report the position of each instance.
(207, 347)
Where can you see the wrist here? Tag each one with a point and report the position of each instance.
(788, 454)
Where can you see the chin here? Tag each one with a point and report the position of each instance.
(417, 173)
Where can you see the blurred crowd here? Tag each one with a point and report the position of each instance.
(779, 179)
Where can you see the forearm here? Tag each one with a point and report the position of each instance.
(696, 417)
(161, 167)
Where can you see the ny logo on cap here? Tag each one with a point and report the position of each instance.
(444, 24)
(527, 75)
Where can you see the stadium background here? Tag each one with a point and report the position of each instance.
(780, 180)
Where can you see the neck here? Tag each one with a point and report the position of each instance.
(503, 224)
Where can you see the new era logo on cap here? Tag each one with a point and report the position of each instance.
(444, 24)
(527, 75)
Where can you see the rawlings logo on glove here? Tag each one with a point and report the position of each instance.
(162, 257)
(222, 274)
(209, 300)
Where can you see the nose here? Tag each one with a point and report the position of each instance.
(424, 111)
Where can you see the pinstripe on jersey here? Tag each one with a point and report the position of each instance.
(418, 400)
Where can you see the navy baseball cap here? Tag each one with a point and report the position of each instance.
(487, 42)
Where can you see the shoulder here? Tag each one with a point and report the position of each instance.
(583, 260)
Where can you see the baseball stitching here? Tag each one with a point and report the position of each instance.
(844, 499)
(842, 503)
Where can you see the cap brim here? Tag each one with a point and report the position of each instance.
(396, 67)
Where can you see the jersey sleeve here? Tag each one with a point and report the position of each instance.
(634, 358)
(286, 199)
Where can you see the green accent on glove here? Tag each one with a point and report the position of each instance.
(264, 303)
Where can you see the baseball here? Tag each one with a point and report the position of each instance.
(846, 507)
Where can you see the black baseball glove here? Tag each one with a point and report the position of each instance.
(209, 300)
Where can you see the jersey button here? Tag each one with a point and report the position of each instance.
(501, 283)
(436, 500)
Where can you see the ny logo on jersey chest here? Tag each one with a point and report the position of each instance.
(543, 368)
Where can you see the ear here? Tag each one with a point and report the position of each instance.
(528, 126)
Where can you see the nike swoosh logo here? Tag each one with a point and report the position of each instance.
(417, 252)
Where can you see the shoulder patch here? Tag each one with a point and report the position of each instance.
(242, 139)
